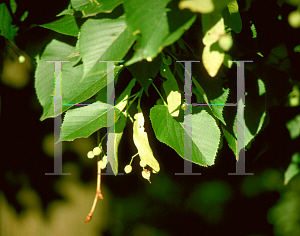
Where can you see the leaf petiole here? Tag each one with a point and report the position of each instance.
(159, 94)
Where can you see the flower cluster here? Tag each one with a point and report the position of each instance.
(96, 152)
(103, 162)
(145, 173)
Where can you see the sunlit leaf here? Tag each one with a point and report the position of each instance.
(65, 25)
(205, 135)
(83, 121)
(147, 20)
(294, 127)
(104, 39)
(73, 89)
(293, 169)
(254, 116)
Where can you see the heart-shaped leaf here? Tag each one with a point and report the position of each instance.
(205, 135)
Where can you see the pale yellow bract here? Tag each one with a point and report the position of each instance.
(203, 6)
(141, 142)
(213, 25)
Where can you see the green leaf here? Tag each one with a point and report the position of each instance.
(218, 108)
(232, 16)
(122, 100)
(24, 16)
(68, 11)
(293, 169)
(104, 39)
(7, 30)
(197, 88)
(205, 134)
(294, 127)
(253, 29)
(102, 95)
(212, 56)
(215, 94)
(73, 89)
(84, 121)
(66, 25)
(13, 6)
(297, 48)
(227, 61)
(155, 24)
(209, 92)
(200, 93)
(119, 129)
(294, 96)
(171, 89)
(280, 51)
(145, 70)
(75, 57)
(92, 8)
(148, 21)
(179, 21)
(254, 116)
(203, 6)
(140, 139)
(44, 75)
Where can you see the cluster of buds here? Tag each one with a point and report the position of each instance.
(103, 162)
(145, 173)
(96, 152)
